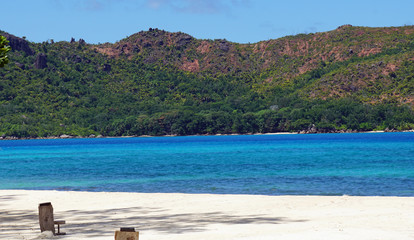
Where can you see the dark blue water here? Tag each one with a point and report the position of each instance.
(379, 164)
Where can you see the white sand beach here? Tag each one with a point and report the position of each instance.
(161, 216)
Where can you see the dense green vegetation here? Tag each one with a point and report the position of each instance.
(82, 91)
(4, 49)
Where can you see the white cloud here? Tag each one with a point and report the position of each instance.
(198, 6)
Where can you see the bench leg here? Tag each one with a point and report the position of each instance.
(58, 227)
(58, 231)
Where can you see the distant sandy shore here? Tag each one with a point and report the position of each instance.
(276, 133)
(160, 216)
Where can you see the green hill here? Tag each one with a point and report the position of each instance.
(160, 83)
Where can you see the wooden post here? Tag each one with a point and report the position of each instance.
(46, 220)
(126, 234)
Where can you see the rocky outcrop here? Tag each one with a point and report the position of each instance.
(18, 44)
(283, 59)
(224, 46)
(41, 61)
(182, 40)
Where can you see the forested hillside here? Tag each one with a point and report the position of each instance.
(160, 83)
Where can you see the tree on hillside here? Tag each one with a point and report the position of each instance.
(4, 48)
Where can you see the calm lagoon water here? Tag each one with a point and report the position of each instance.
(380, 164)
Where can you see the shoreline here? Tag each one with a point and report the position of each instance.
(235, 134)
(176, 216)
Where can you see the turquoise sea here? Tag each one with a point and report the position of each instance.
(380, 164)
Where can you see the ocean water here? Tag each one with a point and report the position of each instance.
(362, 164)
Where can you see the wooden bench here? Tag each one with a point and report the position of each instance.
(46, 219)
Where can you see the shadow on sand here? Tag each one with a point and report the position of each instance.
(105, 222)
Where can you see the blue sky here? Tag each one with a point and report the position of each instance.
(242, 21)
